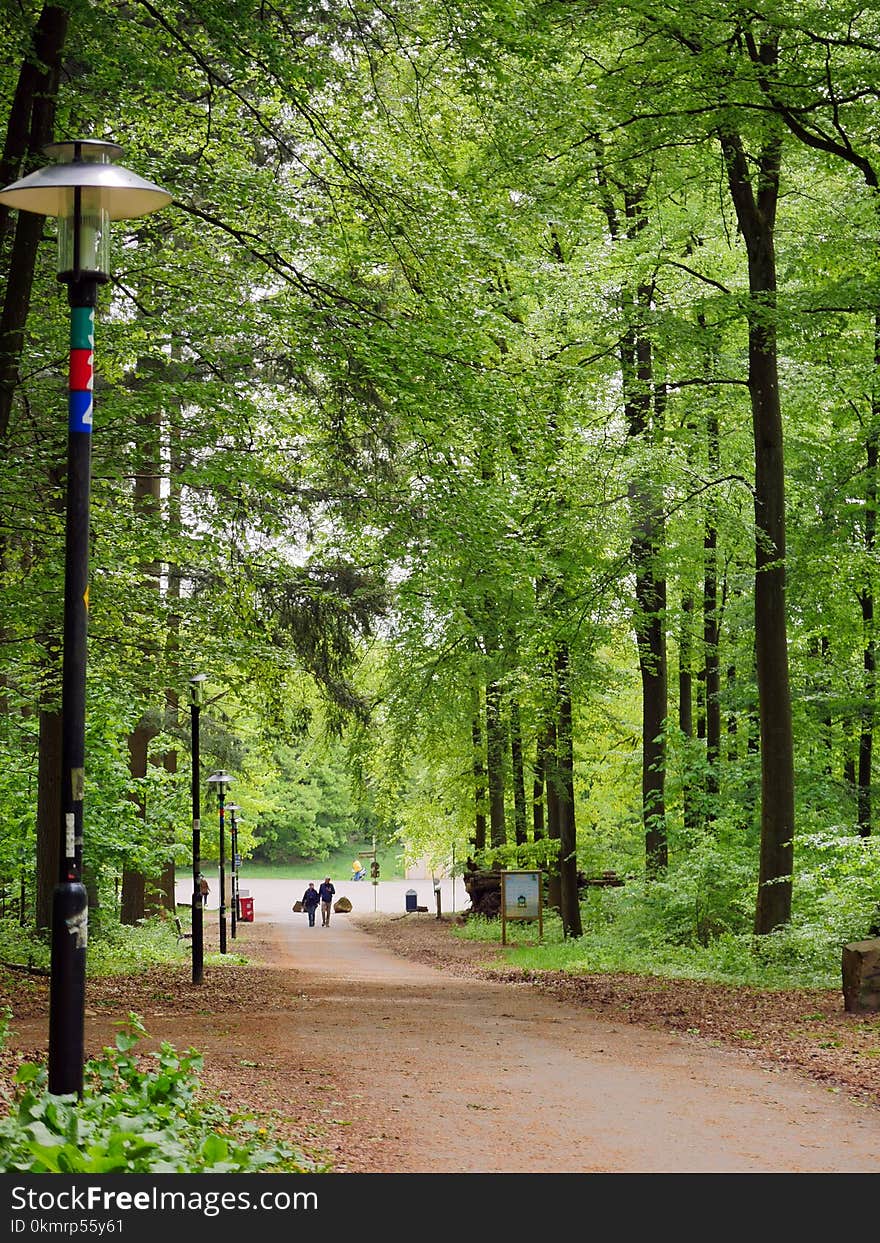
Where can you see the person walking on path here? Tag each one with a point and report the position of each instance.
(310, 901)
(325, 893)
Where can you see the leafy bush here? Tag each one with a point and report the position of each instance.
(124, 948)
(133, 1120)
(21, 945)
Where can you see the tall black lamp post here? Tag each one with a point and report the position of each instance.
(232, 808)
(222, 780)
(196, 692)
(85, 190)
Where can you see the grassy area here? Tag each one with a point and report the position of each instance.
(337, 866)
(794, 957)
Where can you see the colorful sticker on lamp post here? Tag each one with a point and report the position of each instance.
(82, 377)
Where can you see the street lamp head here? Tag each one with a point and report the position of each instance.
(220, 780)
(196, 689)
(85, 190)
(233, 807)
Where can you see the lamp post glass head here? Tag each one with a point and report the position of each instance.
(85, 190)
(220, 780)
(197, 689)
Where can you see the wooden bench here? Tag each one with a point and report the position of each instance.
(181, 935)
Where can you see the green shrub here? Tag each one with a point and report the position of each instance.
(133, 1120)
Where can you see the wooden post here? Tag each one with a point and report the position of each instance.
(503, 911)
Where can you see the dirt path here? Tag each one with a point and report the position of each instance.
(385, 1064)
(497, 1078)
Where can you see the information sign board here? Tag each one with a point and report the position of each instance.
(521, 898)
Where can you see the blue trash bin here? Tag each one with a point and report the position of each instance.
(411, 899)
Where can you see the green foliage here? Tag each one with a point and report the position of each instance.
(136, 1116)
(20, 945)
(120, 949)
(309, 809)
(113, 949)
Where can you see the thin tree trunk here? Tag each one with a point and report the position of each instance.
(147, 501)
(554, 884)
(48, 811)
(479, 769)
(732, 723)
(711, 633)
(686, 708)
(568, 890)
(538, 787)
(866, 601)
(518, 775)
(495, 766)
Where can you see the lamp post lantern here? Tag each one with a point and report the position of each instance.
(232, 808)
(85, 191)
(222, 780)
(196, 691)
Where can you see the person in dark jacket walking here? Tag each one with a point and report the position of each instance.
(325, 893)
(310, 902)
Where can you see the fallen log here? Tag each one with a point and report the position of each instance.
(19, 966)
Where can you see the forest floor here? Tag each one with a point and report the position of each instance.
(385, 1043)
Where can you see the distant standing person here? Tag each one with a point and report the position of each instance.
(310, 901)
(325, 893)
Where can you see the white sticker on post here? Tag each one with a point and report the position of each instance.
(69, 822)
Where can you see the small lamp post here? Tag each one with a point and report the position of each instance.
(232, 808)
(196, 692)
(222, 780)
(85, 190)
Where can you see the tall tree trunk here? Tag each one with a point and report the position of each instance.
(649, 619)
(147, 500)
(479, 770)
(172, 645)
(568, 890)
(554, 884)
(866, 600)
(711, 632)
(495, 765)
(686, 707)
(826, 719)
(648, 534)
(732, 723)
(754, 189)
(518, 775)
(28, 129)
(538, 787)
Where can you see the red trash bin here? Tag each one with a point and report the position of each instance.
(246, 910)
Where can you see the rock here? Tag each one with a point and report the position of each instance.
(861, 975)
(342, 905)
